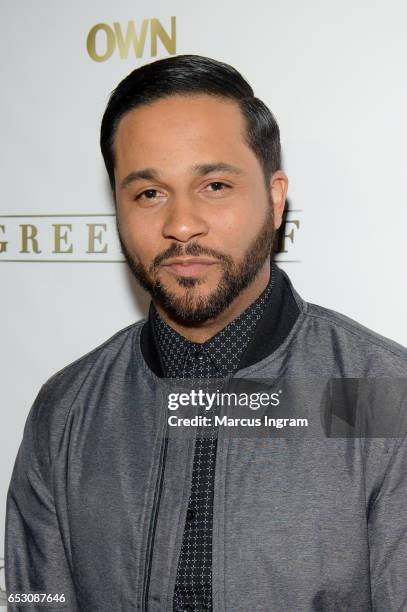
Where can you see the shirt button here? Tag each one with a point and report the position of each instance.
(190, 514)
(198, 353)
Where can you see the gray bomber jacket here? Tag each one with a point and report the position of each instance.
(301, 523)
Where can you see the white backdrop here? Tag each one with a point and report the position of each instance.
(332, 72)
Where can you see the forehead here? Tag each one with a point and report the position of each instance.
(193, 121)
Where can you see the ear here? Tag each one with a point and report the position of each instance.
(278, 189)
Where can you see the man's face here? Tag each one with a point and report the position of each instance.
(195, 217)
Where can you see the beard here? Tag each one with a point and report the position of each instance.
(188, 308)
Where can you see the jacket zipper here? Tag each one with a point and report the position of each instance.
(153, 521)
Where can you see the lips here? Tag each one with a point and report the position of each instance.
(189, 266)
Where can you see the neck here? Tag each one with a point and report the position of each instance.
(201, 332)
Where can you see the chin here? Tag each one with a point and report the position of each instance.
(194, 285)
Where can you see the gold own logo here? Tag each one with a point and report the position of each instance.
(103, 39)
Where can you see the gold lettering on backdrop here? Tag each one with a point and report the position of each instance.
(157, 31)
(110, 42)
(58, 237)
(131, 38)
(289, 235)
(28, 233)
(93, 237)
(3, 245)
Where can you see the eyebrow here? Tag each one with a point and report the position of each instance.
(202, 169)
(147, 174)
(151, 174)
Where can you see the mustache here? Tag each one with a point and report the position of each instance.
(193, 250)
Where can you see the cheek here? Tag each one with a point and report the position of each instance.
(142, 248)
(140, 236)
(234, 229)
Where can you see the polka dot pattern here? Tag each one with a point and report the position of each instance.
(217, 358)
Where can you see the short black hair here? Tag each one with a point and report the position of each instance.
(189, 75)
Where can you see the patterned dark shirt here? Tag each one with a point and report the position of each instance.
(216, 358)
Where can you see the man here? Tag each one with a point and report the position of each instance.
(109, 509)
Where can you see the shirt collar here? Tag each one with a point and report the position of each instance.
(223, 351)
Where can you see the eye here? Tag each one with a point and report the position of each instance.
(217, 187)
(148, 194)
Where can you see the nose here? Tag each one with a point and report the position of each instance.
(184, 220)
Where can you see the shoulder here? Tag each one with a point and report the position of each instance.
(349, 339)
(105, 363)
(74, 386)
(121, 344)
(331, 341)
